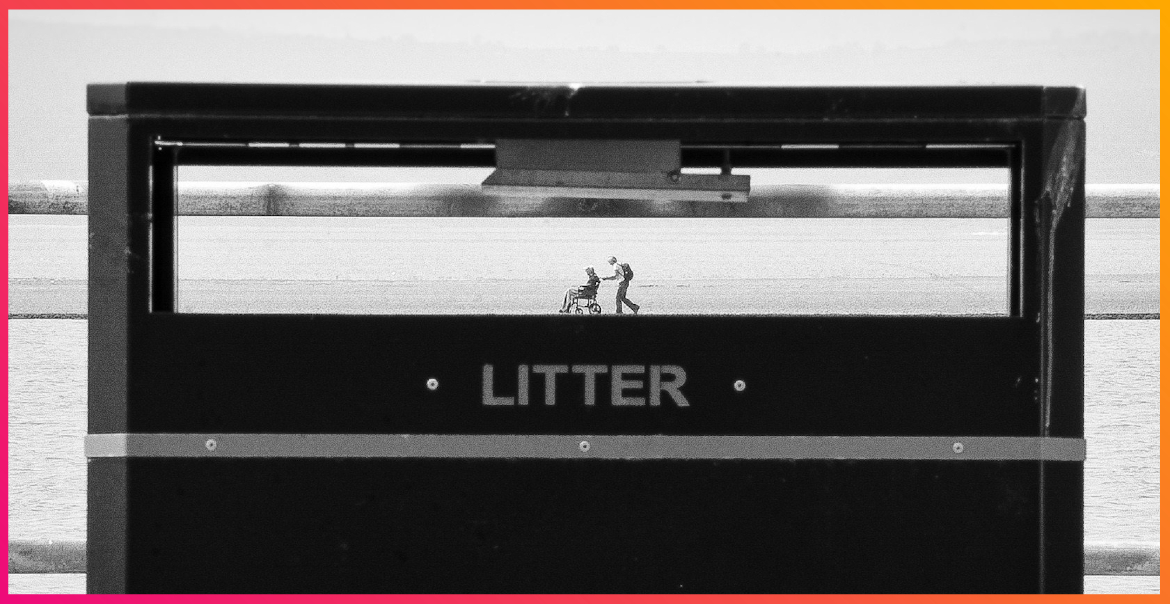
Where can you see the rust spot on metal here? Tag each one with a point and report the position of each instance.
(1063, 176)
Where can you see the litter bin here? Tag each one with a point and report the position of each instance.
(487, 453)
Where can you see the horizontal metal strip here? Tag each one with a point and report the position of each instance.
(550, 446)
(56, 556)
(287, 153)
(766, 201)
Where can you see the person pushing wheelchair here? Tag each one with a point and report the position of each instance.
(622, 272)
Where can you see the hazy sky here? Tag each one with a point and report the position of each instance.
(705, 31)
(1115, 55)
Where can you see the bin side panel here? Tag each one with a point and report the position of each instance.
(665, 526)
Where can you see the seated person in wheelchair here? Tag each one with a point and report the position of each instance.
(589, 290)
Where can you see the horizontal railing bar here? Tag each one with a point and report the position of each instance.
(42, 557)
(425, 200)
(1119, 316)
(1114, 559)
(1123, 559)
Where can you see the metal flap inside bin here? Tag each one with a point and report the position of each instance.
(606, 169)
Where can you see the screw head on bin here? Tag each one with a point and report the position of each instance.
(432, 384)
(211, 444)
(584, 446)
(739, 385)
(957, 447)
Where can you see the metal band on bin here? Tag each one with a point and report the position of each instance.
(558, 446)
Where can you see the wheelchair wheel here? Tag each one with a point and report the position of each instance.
(595, 309)
(579, 311)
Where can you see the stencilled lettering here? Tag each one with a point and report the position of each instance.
(653, 379)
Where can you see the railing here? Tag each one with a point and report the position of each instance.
(391, 200)
(31, 557)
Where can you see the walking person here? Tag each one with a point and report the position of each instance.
(623, 273)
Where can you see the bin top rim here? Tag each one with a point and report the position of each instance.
(571, 101)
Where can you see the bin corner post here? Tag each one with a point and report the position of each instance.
(1063, 336)
(118, 225)
(106, 524)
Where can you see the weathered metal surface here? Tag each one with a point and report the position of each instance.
(585, 446)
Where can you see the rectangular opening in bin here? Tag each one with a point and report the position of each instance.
(429, 240)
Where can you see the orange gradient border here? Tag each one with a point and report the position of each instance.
(569, 4)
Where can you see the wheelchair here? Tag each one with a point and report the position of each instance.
(583, 303)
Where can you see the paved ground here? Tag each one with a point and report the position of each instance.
(1109, 294)
(523, 266)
